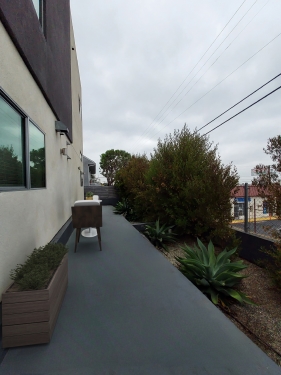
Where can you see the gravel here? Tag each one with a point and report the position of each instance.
(261, 323)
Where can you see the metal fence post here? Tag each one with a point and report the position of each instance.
(246, 208)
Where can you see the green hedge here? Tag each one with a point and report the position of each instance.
(39, 267)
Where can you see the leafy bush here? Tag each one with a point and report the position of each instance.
(39, 266)
(213, 275)
(89, 194)
(187, 185)
(158, 235)
(124, 208)
(130, 182)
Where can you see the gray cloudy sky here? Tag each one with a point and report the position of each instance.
(134, 54)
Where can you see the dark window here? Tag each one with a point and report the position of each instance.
(12, 163)
(36, 157)
(22, 150)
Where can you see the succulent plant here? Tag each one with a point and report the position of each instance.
(124, 208)
(158, 235)
(214, 275)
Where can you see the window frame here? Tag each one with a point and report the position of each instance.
(26, 120)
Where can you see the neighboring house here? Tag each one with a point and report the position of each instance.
(256, 204)
(89, 168)
(40, 127)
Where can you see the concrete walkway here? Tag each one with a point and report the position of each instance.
(128, 311)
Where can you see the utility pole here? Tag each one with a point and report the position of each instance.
(246, 208)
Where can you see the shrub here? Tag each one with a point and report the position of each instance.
(130, 182)
(213, 275)
(187, 185)
(39, 266)
(158, 235)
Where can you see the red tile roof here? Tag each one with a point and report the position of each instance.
(252, 192)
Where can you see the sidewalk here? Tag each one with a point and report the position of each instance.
(128, 311)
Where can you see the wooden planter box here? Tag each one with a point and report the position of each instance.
(29, 317)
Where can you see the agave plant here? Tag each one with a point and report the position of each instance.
(124, 208)
(158, 235)
(213, 275)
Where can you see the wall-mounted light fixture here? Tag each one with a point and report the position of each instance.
(61, 128)
(63, 151)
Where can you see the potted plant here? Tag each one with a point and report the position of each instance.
(31, 304)
(89, 195)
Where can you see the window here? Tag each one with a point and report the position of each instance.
(22, 150)
(265, 208)
(38, 5)
(36, 157)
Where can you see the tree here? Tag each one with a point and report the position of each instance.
(94, 179)
(111, 161)
(187, 185)
(269, 188)
(268, 180)
(11, 168)
(130, 181)
(37, 168)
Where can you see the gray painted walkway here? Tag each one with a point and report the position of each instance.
(128, 311)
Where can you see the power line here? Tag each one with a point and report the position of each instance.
(213, 62)
(242, 111)
(194, 66)
(201, 68)
(222, 81)
(239, 102)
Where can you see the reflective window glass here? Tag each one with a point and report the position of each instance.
(12, 162)
(36, 157)
(38, 5)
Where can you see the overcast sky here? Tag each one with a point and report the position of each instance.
(148, 67)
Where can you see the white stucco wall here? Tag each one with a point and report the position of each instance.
(31, 218)
(258, 207)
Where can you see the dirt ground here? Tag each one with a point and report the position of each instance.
(261, 323)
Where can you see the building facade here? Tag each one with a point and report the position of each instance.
(89, 168)
(257, 207)
(41, 162)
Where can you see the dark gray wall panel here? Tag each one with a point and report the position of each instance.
(47, 55)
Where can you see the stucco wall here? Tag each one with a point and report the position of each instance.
(259, 209)
(31, 218)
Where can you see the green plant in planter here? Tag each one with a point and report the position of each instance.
(39, 267)
(89, 194)
(159, 234)
(214, 276)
